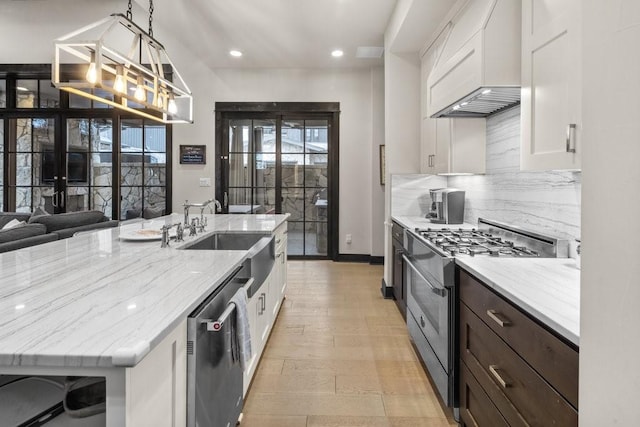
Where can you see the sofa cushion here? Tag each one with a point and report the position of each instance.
(149, 213)
(5, 217)
(17, 233)
(38, 213)
(70, 219)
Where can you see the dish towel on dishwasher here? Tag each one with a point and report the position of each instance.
(242, 335)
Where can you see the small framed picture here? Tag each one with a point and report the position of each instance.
(193, 154)
(382, 164)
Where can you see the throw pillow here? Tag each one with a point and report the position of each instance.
(13, 224)
(39, 212)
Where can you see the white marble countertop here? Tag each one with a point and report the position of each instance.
(413, 222)
(546, 288)
(97, 301)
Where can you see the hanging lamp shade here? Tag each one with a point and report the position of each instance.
(125, 68)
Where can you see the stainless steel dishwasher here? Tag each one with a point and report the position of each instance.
(214, 376)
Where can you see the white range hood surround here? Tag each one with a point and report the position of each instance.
(478, 70)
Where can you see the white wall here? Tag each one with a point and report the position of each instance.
(352, 88)
(34, 25)
(610, 292)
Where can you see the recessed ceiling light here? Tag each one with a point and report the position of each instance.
(22, 89)
(337, 53)
(235, 53)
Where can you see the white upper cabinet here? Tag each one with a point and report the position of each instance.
(448, 146)
(551, 85)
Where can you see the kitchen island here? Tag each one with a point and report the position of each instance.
(96, 305)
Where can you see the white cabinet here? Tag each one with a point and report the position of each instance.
(156, 388)
(449, 146)
(281, 264)
(265, 304)
(458, 146)
(551, 85)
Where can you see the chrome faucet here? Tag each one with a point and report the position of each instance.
(165, 234)
(202, 205)
(193, 227)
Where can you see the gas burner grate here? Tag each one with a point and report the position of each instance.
(474, 242)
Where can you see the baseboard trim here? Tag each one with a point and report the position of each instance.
(353, 258)
(376, 260)
(386, 291)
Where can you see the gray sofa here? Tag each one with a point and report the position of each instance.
(46, 228)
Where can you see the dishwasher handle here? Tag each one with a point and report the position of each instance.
(216, 325)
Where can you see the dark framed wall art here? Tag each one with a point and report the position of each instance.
(193, 154)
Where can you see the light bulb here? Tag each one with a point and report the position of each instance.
(172, 108)
(120, 84)
(139, 93)
(92, 73)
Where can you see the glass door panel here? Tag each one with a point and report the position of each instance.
(252, 166)
(32, 177)
(143, 167)
(88, 165)
(304, 181)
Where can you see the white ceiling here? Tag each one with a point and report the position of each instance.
(274, 33)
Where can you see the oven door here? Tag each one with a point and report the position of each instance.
(429, 304)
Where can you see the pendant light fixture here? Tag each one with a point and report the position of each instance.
(125, 68)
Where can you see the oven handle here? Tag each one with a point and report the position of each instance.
(438, 291)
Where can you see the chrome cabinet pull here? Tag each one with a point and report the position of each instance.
(498, 318)
(54, 199)
(571, 130)
(62, 199)
(494, 371)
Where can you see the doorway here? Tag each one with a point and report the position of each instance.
(282, 158)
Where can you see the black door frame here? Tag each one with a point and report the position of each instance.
(259, 110)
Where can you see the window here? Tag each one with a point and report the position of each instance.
(62, 153)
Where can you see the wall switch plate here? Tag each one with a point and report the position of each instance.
(348, 238)
(205, 182)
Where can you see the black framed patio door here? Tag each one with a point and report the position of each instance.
(282, 158)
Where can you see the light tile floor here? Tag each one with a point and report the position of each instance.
(340, 356)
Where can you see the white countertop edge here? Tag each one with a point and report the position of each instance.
(534, 311)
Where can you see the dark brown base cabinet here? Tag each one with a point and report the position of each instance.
(399, 282)
(513, 371)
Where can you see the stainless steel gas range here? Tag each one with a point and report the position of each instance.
(431, 289)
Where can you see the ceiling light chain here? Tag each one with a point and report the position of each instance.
(150, 17)
(129, 12)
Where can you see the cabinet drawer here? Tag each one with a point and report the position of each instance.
(546, 353)
(476, 409)
(397, 232)
(520, 393)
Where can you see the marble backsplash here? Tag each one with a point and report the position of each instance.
(544, 202)
(410, 193)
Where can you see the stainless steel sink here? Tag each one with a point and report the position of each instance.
(260, 256)
(228, 241)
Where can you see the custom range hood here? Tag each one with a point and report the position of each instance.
(478, 70)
